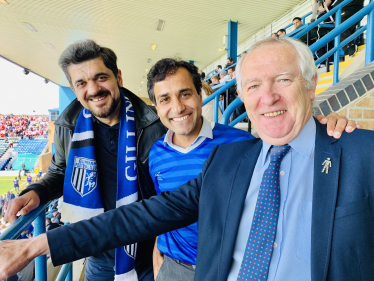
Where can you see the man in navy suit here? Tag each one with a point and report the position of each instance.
(325, 227)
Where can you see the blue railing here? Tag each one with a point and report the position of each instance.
(215, 74)
(14, 231)
(212, 73)
(334, 34)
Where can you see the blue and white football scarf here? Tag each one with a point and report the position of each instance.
(82, 198)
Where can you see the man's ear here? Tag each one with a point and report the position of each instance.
(119, 78)
(313, 90)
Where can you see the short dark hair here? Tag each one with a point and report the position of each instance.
(166, 67)
(220, 66)
(87, 50)
(48, 219)
(230, 58)
(232, 67)
(296, 18)
(282, 30)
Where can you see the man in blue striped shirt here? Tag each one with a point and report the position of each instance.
(175, 88)
(176, 158)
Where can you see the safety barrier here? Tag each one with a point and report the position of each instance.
(38, 217)
(334, 34)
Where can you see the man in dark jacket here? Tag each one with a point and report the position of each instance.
(97, 82)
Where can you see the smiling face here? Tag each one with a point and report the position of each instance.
(274, 93)
(97, 89)
(179, 106)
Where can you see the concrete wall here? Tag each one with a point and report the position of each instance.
(51, 134)
(45, 161)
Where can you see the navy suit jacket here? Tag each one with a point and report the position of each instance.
(342, 215)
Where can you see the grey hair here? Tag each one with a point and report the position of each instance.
(87, 50)
(305, 59)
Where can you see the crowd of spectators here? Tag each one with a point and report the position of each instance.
(23, 126)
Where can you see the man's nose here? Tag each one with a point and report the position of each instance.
(93, 88)
(178, 106)
(269, 95)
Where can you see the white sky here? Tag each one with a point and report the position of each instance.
(22, 94)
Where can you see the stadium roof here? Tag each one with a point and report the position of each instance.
(193, 30)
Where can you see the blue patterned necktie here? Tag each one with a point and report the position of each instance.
(257, 255)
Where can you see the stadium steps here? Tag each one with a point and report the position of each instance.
(7, 154)
(3, 163)
(325, 79)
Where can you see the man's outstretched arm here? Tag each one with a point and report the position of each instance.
(119, 227)
(16, 254)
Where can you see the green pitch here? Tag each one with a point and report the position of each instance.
(6, 184)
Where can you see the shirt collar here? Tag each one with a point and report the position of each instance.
(303, 143)
(206, 132)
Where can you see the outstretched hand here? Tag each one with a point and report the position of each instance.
(17, 254)
(336, 124)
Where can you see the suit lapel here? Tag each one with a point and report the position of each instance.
(239, 191)
(325, 189)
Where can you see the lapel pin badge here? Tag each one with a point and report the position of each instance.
(326, 165)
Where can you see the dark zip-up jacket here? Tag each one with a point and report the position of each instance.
(148, 129)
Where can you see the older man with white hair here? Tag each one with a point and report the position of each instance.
(293, 205)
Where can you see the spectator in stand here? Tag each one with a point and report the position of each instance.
(16, 185)
(229, 62)
(274, 35)
(215, 81)
(12, 196)
(202, 74)
(347, 11)
(208, 109)
(297, 22)
(281, 33)
(218, 70)
(2, 201)
(224, 76)
(56, 216)
(231, 72)
(8, 197)
(3, 211)
(49, 225)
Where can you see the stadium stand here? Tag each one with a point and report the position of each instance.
(28, 126)
(323, 85)
(31, 146)
(3, 147)
(28, 159)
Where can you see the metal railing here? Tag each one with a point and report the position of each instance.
(15, 230)
(334, 34)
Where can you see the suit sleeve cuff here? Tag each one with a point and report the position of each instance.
(40, 189)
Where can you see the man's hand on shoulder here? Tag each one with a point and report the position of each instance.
(336, 124)
(23, 204)
(17, 254)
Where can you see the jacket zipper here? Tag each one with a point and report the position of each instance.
(137, 153)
